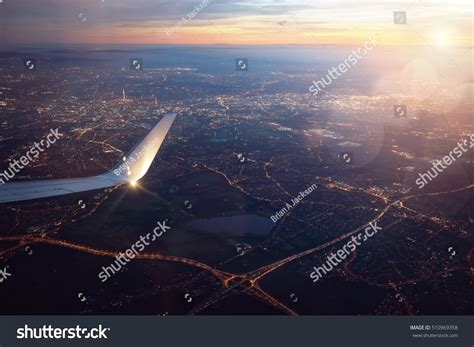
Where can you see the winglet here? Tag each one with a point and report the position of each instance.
(134, 167)
(137, 162)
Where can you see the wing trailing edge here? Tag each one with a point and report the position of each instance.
(133, 167)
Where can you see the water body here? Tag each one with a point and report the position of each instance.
(242, 225)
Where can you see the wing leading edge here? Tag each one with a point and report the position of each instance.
(134, 166)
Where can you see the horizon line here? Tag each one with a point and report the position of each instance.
(36, 45)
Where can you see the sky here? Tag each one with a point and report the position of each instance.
(309, 22)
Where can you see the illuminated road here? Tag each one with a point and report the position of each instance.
(109, 253)
(247, 282)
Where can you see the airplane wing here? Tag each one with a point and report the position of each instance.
(133, 167)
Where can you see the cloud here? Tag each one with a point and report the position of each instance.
(50, 20)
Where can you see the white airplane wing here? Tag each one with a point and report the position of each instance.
(134, 166)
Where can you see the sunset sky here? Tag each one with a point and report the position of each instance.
(433, 22)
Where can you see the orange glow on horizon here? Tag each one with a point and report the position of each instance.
(319, 23)
(273, 36)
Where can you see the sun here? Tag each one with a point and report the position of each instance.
(133, 183)
(442, 38)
